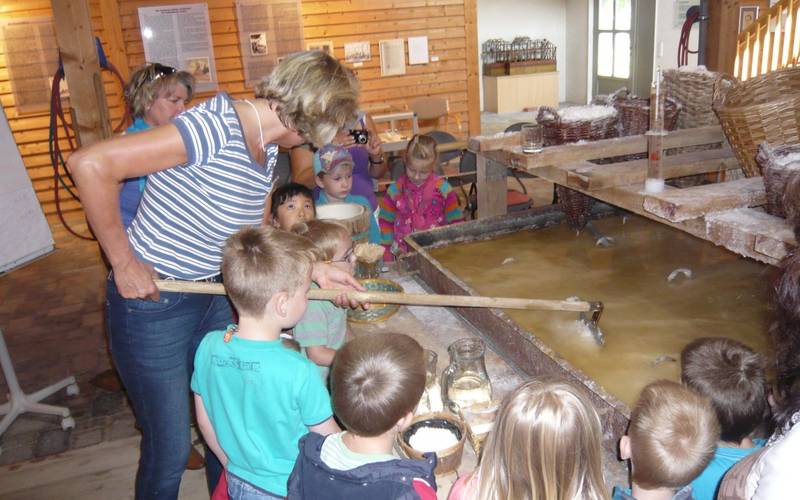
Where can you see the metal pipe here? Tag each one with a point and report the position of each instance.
(702, 38)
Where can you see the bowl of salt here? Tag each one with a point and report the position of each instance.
(440, 433)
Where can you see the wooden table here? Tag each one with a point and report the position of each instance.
(727, 213)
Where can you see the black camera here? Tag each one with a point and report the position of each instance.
(360, 136)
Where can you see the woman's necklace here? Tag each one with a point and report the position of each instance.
(260, 128)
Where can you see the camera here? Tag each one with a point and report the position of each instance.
(360, 136)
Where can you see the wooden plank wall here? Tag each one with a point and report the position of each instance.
(449, 24)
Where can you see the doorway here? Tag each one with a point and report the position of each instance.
(624, 31)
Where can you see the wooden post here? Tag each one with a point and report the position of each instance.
(112, 29)
(473, 87)
(492, 187)
(82, 70)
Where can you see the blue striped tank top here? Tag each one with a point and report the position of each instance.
(188, 211)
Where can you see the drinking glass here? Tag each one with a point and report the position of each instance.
(531, 138)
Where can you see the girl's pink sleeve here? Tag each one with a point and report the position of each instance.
(452, 210)
(461, 488)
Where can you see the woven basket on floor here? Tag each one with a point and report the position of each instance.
(694, 92)
(555, 131)
(777, 169)
(763, 108)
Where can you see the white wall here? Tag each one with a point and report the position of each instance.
(575, 61)
(507, 19)
(667, 36)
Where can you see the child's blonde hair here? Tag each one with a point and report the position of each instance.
(673, 435)
(546, 444)
(421, 151)
(258, 262)
(325, 234)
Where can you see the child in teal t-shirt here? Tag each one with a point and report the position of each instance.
(323, 328)
(255, 398)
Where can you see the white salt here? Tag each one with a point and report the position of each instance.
(586, 113)
(788, 160)
(694, 69)
(432, 439)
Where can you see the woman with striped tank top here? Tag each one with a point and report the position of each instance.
(210, 173)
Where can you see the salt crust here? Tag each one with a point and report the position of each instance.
(694, 69)
(585, 113)
(432, 439)
(791, 160)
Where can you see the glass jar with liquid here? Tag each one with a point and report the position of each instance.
(465, 381)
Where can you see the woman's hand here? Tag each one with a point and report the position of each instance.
(330, 276)
(344, 139)
(134, 280)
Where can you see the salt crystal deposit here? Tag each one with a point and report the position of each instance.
(585, 113)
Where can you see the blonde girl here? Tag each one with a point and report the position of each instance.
(561, 455)
(323, 328)
(418, 200)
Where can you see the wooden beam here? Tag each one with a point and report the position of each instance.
(591, 176)
(606, 148)
(473, 87)
(681, 204)
(492, 187)
(752, 233)
(82, 70)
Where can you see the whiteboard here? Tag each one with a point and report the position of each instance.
(24, 233)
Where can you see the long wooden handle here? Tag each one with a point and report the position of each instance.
(417, 299)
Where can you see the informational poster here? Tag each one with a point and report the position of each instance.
(31, 51)
(269, 30)
(393, 57)
(180, 36)
(26, 234)
(681, 6)
(418, 50)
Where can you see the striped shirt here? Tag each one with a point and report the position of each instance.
(188, 211)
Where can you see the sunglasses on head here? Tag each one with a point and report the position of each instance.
(153, 73)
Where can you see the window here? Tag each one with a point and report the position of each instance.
(614, 38)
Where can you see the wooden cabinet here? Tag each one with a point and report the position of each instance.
(723, 28)
(513, 93)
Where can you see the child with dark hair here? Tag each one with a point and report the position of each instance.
(731, 376)
(376, 382)
(671, 438)
(290, 204)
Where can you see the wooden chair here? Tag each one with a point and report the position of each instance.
(431, 109)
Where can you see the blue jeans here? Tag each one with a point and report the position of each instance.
(239, 489)
(153, 346)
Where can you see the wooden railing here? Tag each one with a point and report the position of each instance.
(770, 42)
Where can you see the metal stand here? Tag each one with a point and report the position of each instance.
(19, 402)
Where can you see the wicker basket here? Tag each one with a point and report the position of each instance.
(777, 169)
(634, 112)
(694, 92)
(763, 108)
(555, 131)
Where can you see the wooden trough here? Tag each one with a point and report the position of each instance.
(726, 213)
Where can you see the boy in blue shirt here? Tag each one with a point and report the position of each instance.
(333, 171)
(254, 397)
(731, 375)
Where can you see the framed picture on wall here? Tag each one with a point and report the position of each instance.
(747, 14)
(325, 46)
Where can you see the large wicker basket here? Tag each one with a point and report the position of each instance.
(778, 164)
(634, 112)
(763, 108)
(694, 92)
(555, 131)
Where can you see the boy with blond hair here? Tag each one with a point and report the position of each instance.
(671, 438)
(731, 376)
(376, 383)
(254, 397)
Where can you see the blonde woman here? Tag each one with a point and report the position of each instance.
(545, 446)
(209, 173)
